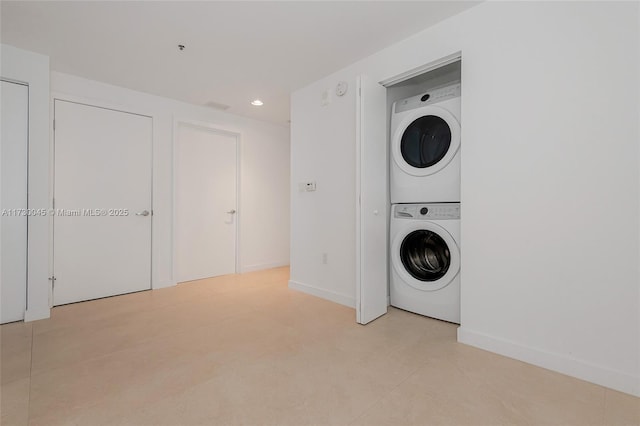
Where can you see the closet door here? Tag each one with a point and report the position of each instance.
(372, 203)
(13, 198)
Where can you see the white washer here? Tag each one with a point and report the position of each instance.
(425, 147)
(425, 259)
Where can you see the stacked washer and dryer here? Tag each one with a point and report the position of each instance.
(425, 198)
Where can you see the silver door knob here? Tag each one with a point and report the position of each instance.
(231, 212)
(143, 213)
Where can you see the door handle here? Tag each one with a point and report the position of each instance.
(231, 212)
(143, 213)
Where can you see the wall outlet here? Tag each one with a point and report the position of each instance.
(324, 258)
(307, 186)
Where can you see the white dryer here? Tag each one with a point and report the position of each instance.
(425, 259)
(425, 147)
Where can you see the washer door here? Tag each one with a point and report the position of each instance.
(426, 141)
(425, 256)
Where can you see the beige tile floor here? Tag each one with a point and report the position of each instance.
(246, 350)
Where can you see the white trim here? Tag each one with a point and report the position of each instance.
(52, 187)
(14, 81)
(560, 363)
(358, 300)
(263, 266)
(215, 129)
(422, 69)
(99, 103)
(322, 293)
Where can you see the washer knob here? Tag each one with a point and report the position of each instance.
(424, 211)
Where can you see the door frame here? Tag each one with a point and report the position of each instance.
(26, 281)
(177, 122)
(60, 96)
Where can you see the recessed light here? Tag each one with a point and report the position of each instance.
(257, 102)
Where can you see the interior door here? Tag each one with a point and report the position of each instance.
(102, 198)
(13, 198)
(372, 205)
(205, 202)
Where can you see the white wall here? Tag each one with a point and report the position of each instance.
(264, 172)
(323, 221)
(550, 181)
(33, 69)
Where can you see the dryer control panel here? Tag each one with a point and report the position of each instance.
(431, 97)
(427, 211)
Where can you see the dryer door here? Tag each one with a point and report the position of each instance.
(426, 256)
(426, 141)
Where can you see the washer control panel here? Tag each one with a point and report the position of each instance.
(431, 97)
(427, 211)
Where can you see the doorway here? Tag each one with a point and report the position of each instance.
(206, 201)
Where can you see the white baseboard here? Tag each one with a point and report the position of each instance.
(163, 284)
(262, 266)
(34, 314)
(580, 369)
(325, 294)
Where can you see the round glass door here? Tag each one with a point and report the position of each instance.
(425, 141)
(425, 255)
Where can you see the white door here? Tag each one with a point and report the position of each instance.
(13, 231)
(205, 202)
(372, 204)
(102, 198)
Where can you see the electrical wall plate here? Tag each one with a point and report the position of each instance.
(325, 99)
(308, 186)
(341, 88)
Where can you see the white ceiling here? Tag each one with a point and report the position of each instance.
(235, 51)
